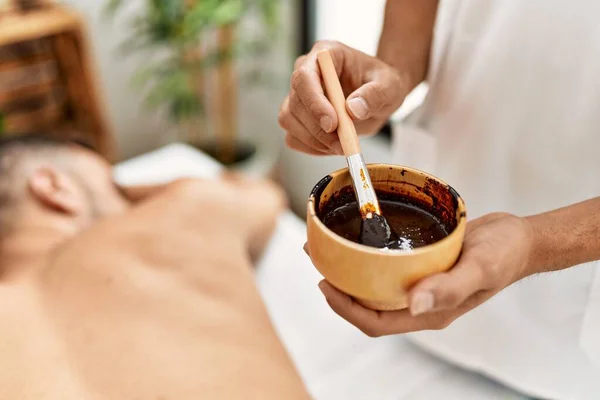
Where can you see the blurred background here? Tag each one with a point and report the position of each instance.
(135, 75)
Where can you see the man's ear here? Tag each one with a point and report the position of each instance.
(56, 190)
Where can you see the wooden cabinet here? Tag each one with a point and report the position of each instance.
(47, 77)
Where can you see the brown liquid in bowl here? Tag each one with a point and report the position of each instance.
(415, 226)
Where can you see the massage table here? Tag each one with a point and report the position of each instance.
(335, 360)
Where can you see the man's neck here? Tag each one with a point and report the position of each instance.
(26, 248)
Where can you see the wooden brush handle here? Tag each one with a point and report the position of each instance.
(335, 94)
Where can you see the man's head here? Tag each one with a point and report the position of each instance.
(49, 182)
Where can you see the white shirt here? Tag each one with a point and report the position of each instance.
(512, 121)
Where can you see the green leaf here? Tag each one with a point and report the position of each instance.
(170, 84)
(168, 12)
(209, 60)
(112, 7)
(173, 91)
(199, 17)
(228, 12)
(165, 30)
(185, 106)
(270, 13)
(145, 75)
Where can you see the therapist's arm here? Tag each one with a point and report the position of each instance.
(375, 86)
(499, 250)
(565, 237)
(407, 36)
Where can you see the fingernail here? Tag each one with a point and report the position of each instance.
(326, 123)
(359, 107)
(337, 147)
(421, 303)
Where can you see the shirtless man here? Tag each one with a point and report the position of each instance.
(144, 293)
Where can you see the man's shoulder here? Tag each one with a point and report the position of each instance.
(187, 216)
(185, 197)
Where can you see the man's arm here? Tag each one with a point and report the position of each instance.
(407, 36)
(565, 237)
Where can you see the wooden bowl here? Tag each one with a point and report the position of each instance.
(376, 278)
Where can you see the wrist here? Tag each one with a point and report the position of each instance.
(408, 77)
(536, 246)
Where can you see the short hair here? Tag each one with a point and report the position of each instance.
(14, 151)
(40, 140)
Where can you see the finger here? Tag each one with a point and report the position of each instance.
(448, 290)
(379, 323)
(402, 321)
(340, 53)
(382, 95)
(331, 140)
(306, 82)
(295, 128)
(299, 62)
(297, 145)
(343, 305)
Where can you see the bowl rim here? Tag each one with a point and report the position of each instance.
(461, 208)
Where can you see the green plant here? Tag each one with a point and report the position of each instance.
(2, 122)
(170, 32)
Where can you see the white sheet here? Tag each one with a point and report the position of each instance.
(336, 361)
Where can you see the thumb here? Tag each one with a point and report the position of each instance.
(447, 290)
(381, 96)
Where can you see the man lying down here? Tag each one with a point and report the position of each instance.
(143, 293)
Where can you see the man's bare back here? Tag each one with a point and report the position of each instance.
(158, 302)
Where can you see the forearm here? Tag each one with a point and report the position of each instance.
(407, 36)
(565, 237)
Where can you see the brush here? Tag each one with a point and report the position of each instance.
(375, 229)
